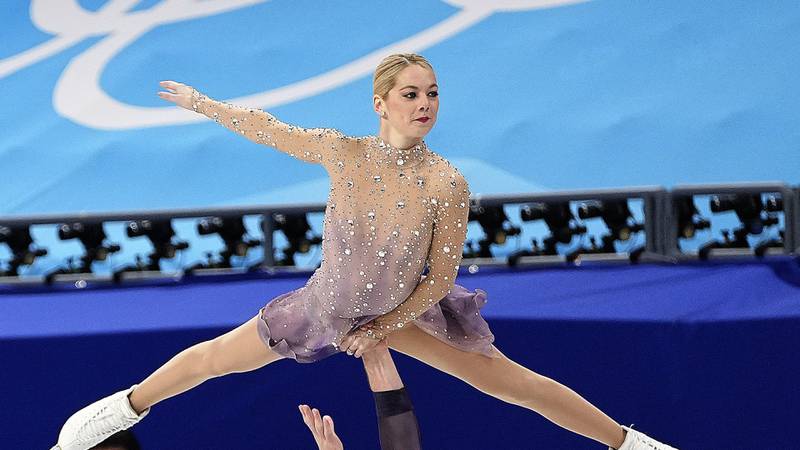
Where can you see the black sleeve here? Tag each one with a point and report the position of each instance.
(397, 423)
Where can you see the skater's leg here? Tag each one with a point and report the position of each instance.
(513, 383)
(239, 350)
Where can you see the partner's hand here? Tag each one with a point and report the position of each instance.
(380, 347)
(359, 342)
(321, 428)
(381, 371)
(177, 93)
(377, 356)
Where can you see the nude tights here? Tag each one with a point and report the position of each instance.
(242, 350)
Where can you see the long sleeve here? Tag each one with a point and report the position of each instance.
(314, 145)
(444, 257)
(398, 427)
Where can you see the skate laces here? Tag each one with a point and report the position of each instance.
(641, 438)
(106, 421)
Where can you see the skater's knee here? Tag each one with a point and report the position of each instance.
(207, 359)
(541, 388)
(515, 385)
(537, 392)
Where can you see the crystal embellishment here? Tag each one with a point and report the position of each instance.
(370, 266)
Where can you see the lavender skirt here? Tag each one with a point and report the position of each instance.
(295, 326)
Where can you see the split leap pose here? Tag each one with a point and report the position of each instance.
(394, 207)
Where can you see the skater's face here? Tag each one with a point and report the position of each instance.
(411, 106)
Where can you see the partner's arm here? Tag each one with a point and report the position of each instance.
(397, 424)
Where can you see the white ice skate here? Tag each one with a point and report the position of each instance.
(635, 440)
(96, 422)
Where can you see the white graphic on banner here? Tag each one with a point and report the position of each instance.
(79, 97)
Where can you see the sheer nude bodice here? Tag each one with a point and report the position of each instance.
(389, 213)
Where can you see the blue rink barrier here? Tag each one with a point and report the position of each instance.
(702, 356)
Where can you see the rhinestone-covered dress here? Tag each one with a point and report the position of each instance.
(390, 212)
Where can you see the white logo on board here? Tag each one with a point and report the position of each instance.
(79, 97)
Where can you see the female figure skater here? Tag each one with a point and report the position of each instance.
(394, 205)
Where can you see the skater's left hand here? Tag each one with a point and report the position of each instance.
(178, 93)
(358, 342)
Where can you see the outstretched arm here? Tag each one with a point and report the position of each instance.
(315, 145)
(444, 258)
(397, 424)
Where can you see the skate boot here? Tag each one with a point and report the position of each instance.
(635, 440)
(96, 422)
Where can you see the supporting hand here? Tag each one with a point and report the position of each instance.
(321, 428)
(381, 371)
(381, 349)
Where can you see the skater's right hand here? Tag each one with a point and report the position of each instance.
(321, 428)
(357, 343)
(177, 93)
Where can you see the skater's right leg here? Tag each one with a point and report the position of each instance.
(239, 350)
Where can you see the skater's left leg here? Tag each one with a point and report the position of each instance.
(508, 381)
(239, 350)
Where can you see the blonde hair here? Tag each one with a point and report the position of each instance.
(386, 73)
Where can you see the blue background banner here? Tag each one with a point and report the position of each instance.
(570, 95)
